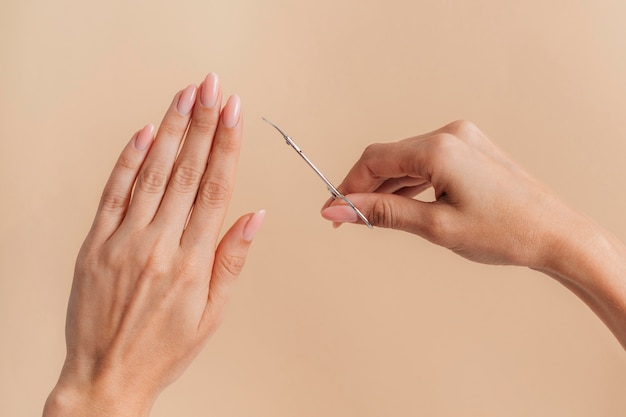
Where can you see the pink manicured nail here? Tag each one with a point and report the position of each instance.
(340, 214)
(144, 137)
(254, 224)
(208, 95)
(230, 114)
(186, 100)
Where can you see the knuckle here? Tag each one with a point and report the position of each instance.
(462, 129)
(111, 255)
(371, 151)
(185, 179)
(170, 129)
(193, 267)
(113, 201)
(370, 154)
(152, 180)
(155, 267)
(214, 193)
(225, 144)
(442, 147)
(203, 126)
(232, 263)
(125, 163)
(382, 214)
(87, 262)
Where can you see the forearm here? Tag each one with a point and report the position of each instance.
(591, 262)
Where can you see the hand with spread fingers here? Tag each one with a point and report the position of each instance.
(487, 209)
(152, 279)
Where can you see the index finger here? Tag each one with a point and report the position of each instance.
(383, 161)
(413, 157)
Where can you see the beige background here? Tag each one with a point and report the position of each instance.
(346, 322)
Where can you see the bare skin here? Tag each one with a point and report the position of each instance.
(488, 210)
(151, 279)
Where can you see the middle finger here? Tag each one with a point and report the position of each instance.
(192, 161)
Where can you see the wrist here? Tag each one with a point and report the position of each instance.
(563, 239)
(574, 248)
(591, 262)
(93, 401)
(564, 247)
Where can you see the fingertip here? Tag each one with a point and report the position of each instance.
(144, 137)
(340, 214)
(210, 90)
(186, 100)
(253, 225)
(231, 114)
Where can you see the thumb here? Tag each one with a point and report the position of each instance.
(389, 211)
(229, 260)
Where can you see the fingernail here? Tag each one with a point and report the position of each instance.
(340, 214)
(208, 95)
(186, 100)
(336, 225)
(144, 137)
(254, 224)
(230, 114)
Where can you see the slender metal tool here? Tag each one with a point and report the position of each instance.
(333, 191)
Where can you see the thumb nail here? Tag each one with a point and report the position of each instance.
(340, 214)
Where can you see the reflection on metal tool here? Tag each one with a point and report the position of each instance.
(335, 193)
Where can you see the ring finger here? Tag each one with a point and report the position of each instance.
(157, 168)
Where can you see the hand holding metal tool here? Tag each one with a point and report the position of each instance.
(333, 191)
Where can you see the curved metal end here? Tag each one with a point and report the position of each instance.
(287, 138)
(335, 193)
(277, 128)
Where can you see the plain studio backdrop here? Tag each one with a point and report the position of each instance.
(347, 322)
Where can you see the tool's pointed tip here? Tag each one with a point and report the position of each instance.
(267, 121)
(276, 127)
